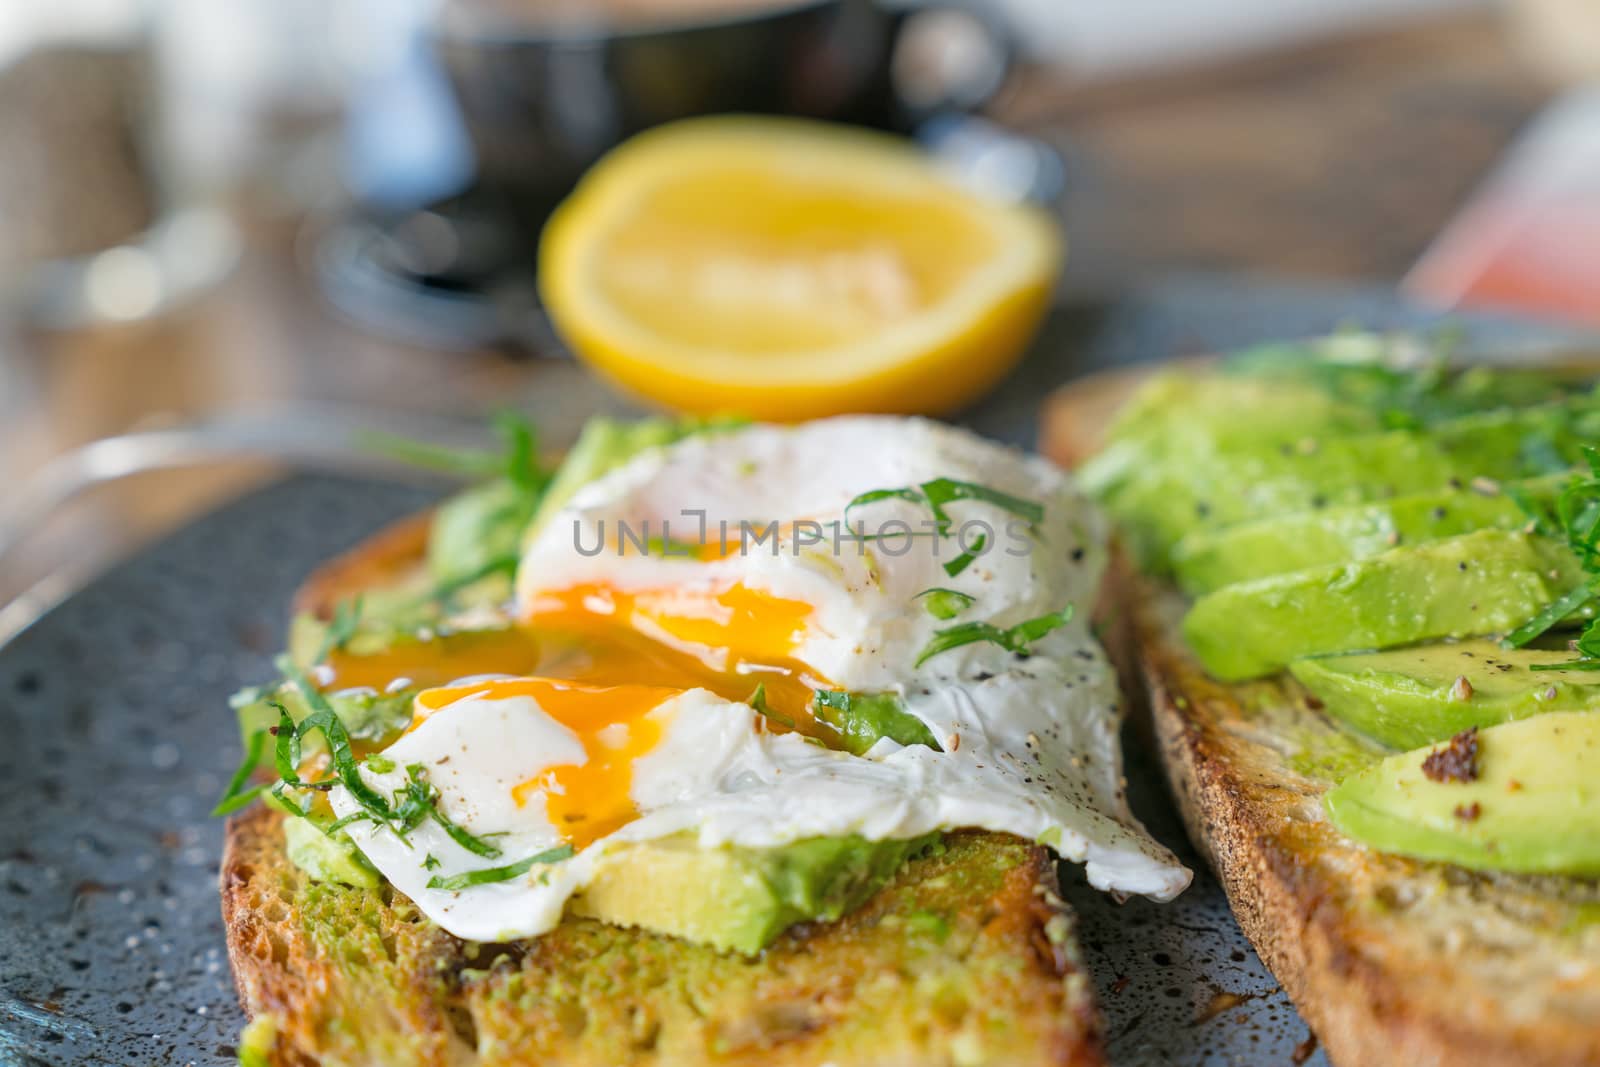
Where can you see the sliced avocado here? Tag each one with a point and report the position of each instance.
(1401, 377)
(1179, 417)
(477, 533)
(1207, 559)
(739, 899)
(606, 444)
(1479, 583)
(327, 858)
(1529, 802)
(1409, 697)
(1207, 488)
(1184, 407)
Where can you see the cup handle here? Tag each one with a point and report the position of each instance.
(996, 45)
(984, 154)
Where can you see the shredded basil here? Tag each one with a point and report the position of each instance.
(341, 823)
(963, 561)
(1016, 639)
(415, 801)
(863, 718)
(758, 701)
(341, 628)
(468, 462)
(521, 441)
(942, 491)
(1576, 520)
(872, 496)
(1553, 613)
(236, 796)
(286, 753)
(518, 461)
(944, 603)
(324, 718)
(419, 800)
(444, 594)
(1591, 663)
(939, 492)
(501, 874)
(670, 548)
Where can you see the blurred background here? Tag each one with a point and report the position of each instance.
(237, 229)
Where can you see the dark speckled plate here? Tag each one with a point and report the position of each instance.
(115, 740)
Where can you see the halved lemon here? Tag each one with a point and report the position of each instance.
(787, 269)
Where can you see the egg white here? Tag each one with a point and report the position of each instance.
(1030, 744)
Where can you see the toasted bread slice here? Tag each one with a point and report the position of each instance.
(966, 957)
(1390, 960)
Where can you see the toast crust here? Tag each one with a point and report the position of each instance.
(350, 976)
(1391, 961)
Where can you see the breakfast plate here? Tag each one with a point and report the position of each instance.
(117, 744)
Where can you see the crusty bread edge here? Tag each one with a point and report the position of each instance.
(1357, 1012)
(1300, 924)
(388, 555)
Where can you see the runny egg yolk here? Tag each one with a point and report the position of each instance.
(583, 801)
(439, 660)
(603, 658)
(727, 641)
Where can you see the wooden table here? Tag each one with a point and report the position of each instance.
(1334, 162)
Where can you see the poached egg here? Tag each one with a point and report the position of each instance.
(843, 556)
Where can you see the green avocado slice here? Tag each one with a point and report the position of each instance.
(1383, 373)
(1208, 488)
(740, 899)
(1207, 559)
(1479, 583)
(1409, 697)
(1181, 418)
(1528, 802)
(606, 444)
(327, 857)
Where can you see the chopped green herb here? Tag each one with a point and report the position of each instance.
(863, 718)
(1016, 639)
(944, 603)
(419, 800)
(521, 441)
(325, 719)
(670, 548)
(286, 752)
(1553, 613)
(236, 796)
(1576, 520)
(942, 491)
(430, 862)
(874, 495)
(378, 763)
(517, 461)
(963, 561)
(339, 824)
(341, 628)
(758, 701)
(467, 462)
(500, 874)
(444, 594)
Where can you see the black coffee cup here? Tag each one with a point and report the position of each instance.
(543, 99)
